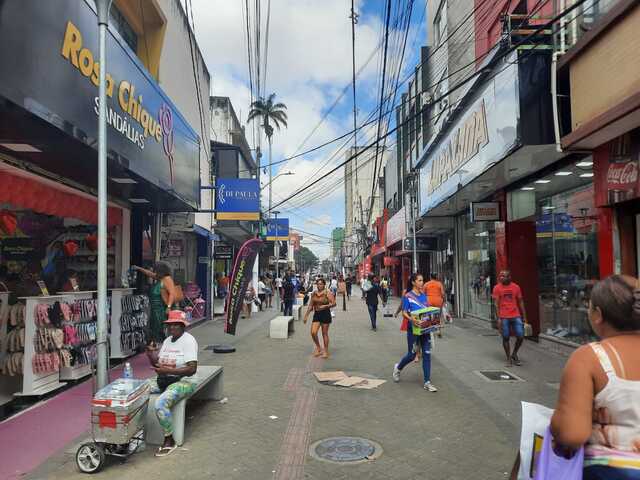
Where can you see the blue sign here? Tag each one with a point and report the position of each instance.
(237, 199)
(555, 222)
(278, 229)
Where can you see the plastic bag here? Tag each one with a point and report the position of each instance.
(551, 466)
(535, 421)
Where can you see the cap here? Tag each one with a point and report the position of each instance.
(177, 316)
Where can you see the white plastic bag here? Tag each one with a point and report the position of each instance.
(535, 420)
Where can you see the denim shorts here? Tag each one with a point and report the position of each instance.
(516, 323)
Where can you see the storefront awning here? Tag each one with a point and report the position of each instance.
(203, 232)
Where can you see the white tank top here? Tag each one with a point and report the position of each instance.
(615, 438)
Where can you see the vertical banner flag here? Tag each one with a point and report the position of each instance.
(240, 278)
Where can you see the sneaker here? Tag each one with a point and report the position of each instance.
(430, 387)
(396, 373)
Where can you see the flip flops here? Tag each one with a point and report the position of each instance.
(164, 451)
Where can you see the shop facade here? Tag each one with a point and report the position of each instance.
(48, 163)
(484, 180)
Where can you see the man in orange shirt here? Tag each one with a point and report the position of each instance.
(434, 290)
(511, 314)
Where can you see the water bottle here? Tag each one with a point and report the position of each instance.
(128, 371)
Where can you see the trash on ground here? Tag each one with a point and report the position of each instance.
(330, 376)
(224, 400)
(350, 381)
(369, 384)
(273, 417)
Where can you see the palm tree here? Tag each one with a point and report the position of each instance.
(271, 114)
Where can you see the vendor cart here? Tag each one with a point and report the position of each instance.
(117, 423)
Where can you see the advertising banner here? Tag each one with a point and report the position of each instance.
(237, 199)
(278, 229)
(396, 227)
(54, 75)
(240, 277)
(483, 135)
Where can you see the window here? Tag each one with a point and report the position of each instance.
(440, 24)
(117, 21)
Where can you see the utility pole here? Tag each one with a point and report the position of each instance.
(414, 194)
(102, 375)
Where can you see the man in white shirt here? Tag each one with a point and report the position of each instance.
(175, 363)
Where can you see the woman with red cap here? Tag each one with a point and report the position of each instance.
(175, 363)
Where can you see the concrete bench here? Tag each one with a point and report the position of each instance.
(209, 386)
(281, 327)
(297, 312)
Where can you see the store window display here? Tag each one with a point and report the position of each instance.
(53, 250)
(562, 205)
(478, 266)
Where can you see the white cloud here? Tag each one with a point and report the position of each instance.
(309, 63)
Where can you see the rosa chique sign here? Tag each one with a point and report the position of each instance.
(54, 74)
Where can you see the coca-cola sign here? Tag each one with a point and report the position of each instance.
(622, 175)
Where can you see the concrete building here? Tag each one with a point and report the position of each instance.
(364, 197)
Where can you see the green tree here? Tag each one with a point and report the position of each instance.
(305, 259)
(271, 113)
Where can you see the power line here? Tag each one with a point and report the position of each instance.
(463, 82)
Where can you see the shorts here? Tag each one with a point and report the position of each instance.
(323, 316)
(516, 323)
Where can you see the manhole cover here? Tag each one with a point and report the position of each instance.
(498, 376)
(346, 450)
(221, 348)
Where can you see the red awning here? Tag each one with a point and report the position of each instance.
(26, 193)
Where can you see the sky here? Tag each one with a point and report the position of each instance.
(308, 66)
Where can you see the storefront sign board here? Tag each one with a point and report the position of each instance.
(423, 244)
(485, 211)
(237, 199)
(54, 74)
(278, 229)
(481, 137)
(223, 252)
(397, 227)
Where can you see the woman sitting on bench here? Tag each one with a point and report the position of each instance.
(175, 363)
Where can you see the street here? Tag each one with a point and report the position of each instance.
(468, 429)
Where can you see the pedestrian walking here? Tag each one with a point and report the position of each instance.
(249, 299)
(268, 283)
(288, 295)
(223, 285)
(334, 285)
(342, 290)
(418, 331)
(349, 282)
(262, 292)
(371, 299)
(320, 304)
(511, 315)
(599, 399)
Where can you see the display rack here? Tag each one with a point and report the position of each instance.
(83, 369)
(36, 384)
(8, 385)
(116, 312)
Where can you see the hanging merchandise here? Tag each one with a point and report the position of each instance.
(133, 322)
(70, 248)
(92, 242)
(8, 222)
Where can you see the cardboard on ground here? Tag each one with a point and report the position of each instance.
(330, 376)
(350, 381)
(370, 384)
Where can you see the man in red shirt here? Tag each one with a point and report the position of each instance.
(511, 314)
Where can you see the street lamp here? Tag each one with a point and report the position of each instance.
(102, 376)
(275, 242)
(274, 179)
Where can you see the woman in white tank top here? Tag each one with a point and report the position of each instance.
(599, 400)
